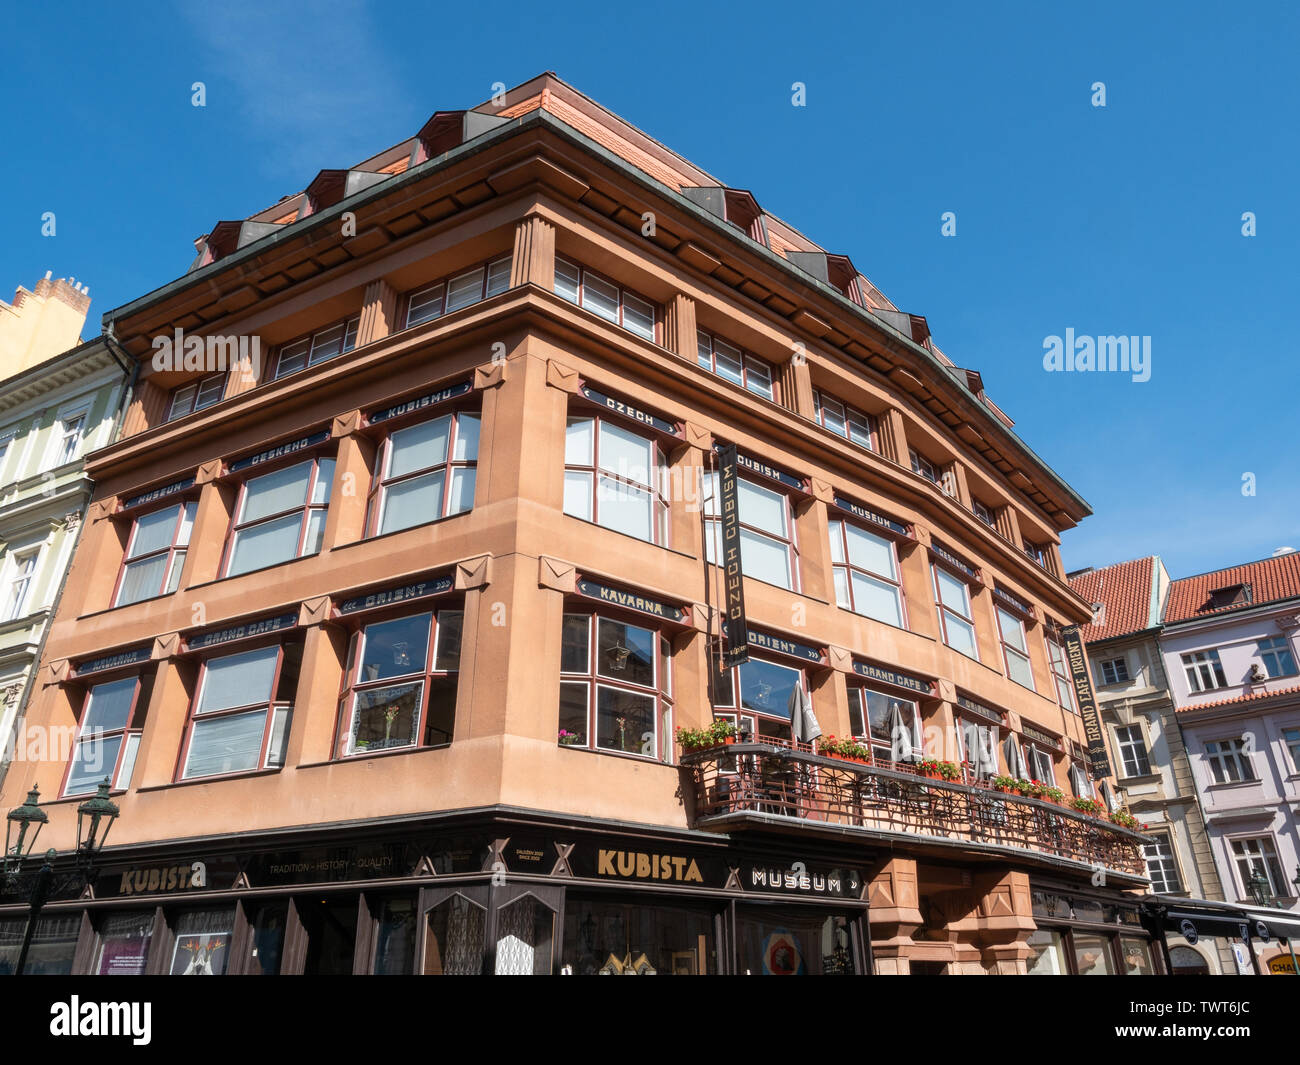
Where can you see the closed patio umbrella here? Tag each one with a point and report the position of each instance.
(804, 727)
(901, 747)
(1016, 766)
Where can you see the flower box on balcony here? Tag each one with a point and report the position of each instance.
(935, 769)
(846, 750)
(717, 734)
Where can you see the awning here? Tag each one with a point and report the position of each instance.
(1205, 917)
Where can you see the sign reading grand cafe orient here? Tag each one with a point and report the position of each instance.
(550, 597)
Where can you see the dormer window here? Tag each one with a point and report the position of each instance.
(1231, 595)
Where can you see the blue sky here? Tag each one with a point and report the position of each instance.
(1121, 220)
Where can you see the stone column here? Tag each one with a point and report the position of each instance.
(533, 260)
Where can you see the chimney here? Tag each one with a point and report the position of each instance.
(41, 323)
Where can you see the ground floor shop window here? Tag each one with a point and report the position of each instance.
(1092, 955)
(1048, 953)
(53, 944)
(1136, 954)
(202, 942)
(621, 939)
(453, 943)
(124, 943)
(268, 923)
(331, 927)
(395, 937)
(774, 942)
(525, 938)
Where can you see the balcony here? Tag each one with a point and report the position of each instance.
(764, 785)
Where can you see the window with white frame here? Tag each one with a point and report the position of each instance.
(956, 619)
(22, 571)
(108, 734)
(1080, 782)
(843, 420)
(317, 347)
(731, 364)
(1040, 763)
(1278, 658)
(865, 567)
(1015, 648)
(400, 687)
(280, 516)
(1229, 760)
(1257, 856)
(7, 446)
(768, 549)
(615, 693)
(427, 471)
(1114, 671)
(239, 718)
(615, 478)
(1132, 748)
(155, 553)
(601, 296)
(755, 695)
(69, 428)
(1204, 671)
(1162, 866)
(451, 294)
(944, 479)
(1291, 737)
(1038, 552)
(1060, 672)
(196, 396)
(985, 514)
(890, 726)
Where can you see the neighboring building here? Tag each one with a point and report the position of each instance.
(1152, 770)
(1230, 647)
(55, 406)
(383, 641)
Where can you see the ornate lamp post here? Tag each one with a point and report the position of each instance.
(95, 818)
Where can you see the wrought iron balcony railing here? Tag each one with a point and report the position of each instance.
(742, 781)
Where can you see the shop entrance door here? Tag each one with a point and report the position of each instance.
(330, 925)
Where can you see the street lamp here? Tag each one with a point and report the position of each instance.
(1259, 888)
(90, 815)
(23, 818)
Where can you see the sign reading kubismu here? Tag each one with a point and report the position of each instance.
(735, 624)
(1074, 654)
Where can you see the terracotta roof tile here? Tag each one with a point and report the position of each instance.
(1124, 590)
(1271, 580)
(1241, 698)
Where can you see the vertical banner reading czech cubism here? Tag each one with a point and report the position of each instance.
(735, 625)
(1074, 654)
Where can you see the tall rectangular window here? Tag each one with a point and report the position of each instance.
(1132, 749)
(1015, 648)
(1291, 737)
(239, 719)
(1162, 867)
(317, 347)
(1060, 673)
(768, 550)
(401, 683)
(615, 478)
(1204, 671)
(601, 296)
(1229, 760)
(757, 695)
(22, 570)
(1276, 654)
(427, 471)
(730, 363)
(280, 516)
(1258, 857)
(843, 420)
(614, 686)
(866, 573)
(889, 725)
(108, 735)
(155, 553)
(1040, 763)
(71, 430)
(956, 620)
